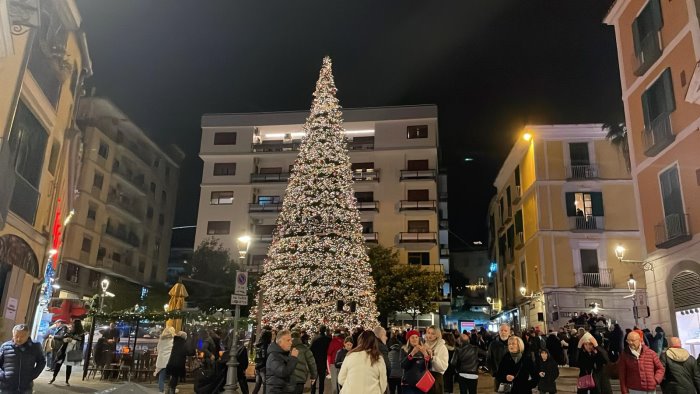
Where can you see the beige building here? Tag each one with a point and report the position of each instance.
(394, 151)
(43, 61)
(564, 201)
(658, 46)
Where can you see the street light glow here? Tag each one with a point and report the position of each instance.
(244, 238)
(620, 252)
(523, 291)
(527, 136)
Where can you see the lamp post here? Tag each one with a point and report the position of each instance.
(632, 287)
(620, 254)
(105, 285)
(232, 364)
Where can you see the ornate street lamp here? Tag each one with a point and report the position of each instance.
(620, 254)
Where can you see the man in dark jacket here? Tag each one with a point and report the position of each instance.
(466, 363)
(281, 363)
(319, 347)
(21, 361)
(497, 349)
(682, 373)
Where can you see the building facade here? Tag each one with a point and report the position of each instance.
(564, 201)
(43, 61)
(394, 151)
(658, 46)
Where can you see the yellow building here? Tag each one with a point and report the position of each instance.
(43, 61)
(564, 200)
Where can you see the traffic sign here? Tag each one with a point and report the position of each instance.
(239, 299)
(241, 283)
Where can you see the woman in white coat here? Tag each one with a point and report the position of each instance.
(164, 347)
(363, 370)
(439, 357)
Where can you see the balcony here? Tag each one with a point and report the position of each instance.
(418, 237)
(411, 175)
(583, 171)
(264, 238)
(518, 194)
(269, 178)
(602, 279)
(434, 268)
(368, 206)
(136, 182)
(371, 237)
(444, 251)
(366, 175)
(124, 205)
(649, 52)
(264, 208)
(519, 240)
(658, 136)
(361, 145)
(128, 237)
(276, 146)
(422, 205)
(588, 223)
(135, 149)
(673, 230)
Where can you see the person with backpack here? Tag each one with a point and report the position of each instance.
(261, 359)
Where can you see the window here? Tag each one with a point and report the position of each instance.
(43, 73)
(578, 154)
(270, 170)
(509, 202)
(419, 258)
(367, 227)
(589, 261)
(161, 220)
(418, 226)
(360, 167)
(94, 279)
(228, 138)
(517, 176)
(417, 132)
(418, 195)
(72, 273)
(264, 229)
(221, 169)
(264, 200)
(417, 165)
(510, 236)
(103, 150)
(153, 189)
(101, 253)
(671, 193)
(657, 104)
(142, 266)
(149, 212)
(98, 180)
(156, 162)
(218, 227)
(163, 196)
(645, 33)
(167, 173)
(53, 158)
(92, 212)
(87, 245)
(523, 274)
(519, 222)
(584, 204)
(258, 260)
(116, 257)
(156, 248)
(500, 208)
(364, 196)
(221, 198)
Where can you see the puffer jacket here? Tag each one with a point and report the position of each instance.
(279, 369)
(466, 359)
(642, 373)
(306, 366)
(20, 365)
(395, 371)
(682, 373)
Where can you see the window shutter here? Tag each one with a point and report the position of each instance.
(570, 198)
(645, 108)
(670, 101)
(656, 19)
(597, 204)
(635, 36)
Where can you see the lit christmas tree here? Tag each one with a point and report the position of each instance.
(317, 271)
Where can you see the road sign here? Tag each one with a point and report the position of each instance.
(241, 283)
(239, 299)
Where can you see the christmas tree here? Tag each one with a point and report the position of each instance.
(317, 271)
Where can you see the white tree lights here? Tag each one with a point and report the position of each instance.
(317, 271)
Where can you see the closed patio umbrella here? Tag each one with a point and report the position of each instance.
(177, 303)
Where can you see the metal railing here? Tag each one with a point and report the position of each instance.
(368, 205)
(275, 177)
(444, 252)
(262, 237)
(360, 145)
(518, 194)
(136, 181)
(409, 205)
(673, 230)
(418, 174)
(649, 52)
(364, 175)
(435, 268)
(418, 237)
(583, 171)
(123, 235)
(371, 237)
(276, 146)
(257, 207)
(601, 279)
(658, 135)
(124, 204)
(586, 223)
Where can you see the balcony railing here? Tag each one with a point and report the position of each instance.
(124, 204)
(265, 178)
(435, 268)
(422, 205)
(276, 146)
(444, 224)
(658, 135)
(136, 181)
(421, 237)
(601, 279)
(585, 171)
(256, 207)
(360, 145)
(586, 223)
(262, 238)
(649, 52)
(371, 237)
(673, 230)
(126, 236)
(368, 205)
(417, 174)
(366, 175)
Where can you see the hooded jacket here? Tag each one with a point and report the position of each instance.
(20, 365)
(682, 373)
(165, 346)
(279, 369)
(642, 373)
(548, 382)
(306, 365)
(395, 371)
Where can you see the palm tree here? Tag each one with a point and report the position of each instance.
(617, 135)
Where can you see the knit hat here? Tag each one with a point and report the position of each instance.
(412, 333)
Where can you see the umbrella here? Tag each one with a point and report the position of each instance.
(177, 303)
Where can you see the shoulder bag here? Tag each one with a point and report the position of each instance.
(426, 381)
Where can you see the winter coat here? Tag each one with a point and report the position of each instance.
(319, 347)
(279, 370)
(306, 366)
(395, 371)
(551, 373)
(466, 359)
(573, 351)
(659, 342)
(359, 375)
(594, 363)
(339, 358)
(164, 347)
(384, 350)
(555, 349)
(497, 350)
(642, 373)
(616, 344)
(526, 377)
(69, 341)
(682, 373)
(242, 358)
(413, 367)
(335, 345)
(440, 359)
(178, 356)
(261, 355)
(20, 365)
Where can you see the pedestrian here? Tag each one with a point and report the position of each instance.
(554, 348)
(176, 363)
(21, 361)
(243, 361)
(319, 347)
(592, 361)
(465, 363)
(548, 371)
(415, 361)
(516, 373)
(335, 345)
(659, 342)
(48, 345)
(281, 363)
(306, 365)
(616, 343)
(497, 349)
(261, 358)
(395, 370)
(380, 333)
(449, 375)
(639, 368)
(573, 348)
(439, 358)
(71, 351)
(682, 372)
(363, 370)
(164, 348)
(340, 356)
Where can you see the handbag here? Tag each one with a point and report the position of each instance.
(426, 382)
(74, 355)
(505, 387)
(585, 382)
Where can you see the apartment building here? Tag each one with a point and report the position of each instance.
(125, 206)
(394, 151)
(658, 47)
(564, 202)
(43, 61)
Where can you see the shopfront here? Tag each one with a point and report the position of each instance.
(686, 309)
(19, 271)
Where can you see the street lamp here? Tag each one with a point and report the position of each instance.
(495, 304)
(535, 296)
(620, 254)
(105, 285)
(232, 364)
(632, 287)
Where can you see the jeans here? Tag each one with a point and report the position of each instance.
(467, 385)
(259, 381)
(161, 380)
(49, 360)
(395, 386)
(320, 381)
(334, 379)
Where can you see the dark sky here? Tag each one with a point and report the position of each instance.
(491, 66)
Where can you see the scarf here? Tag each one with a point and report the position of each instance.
(516, 357)
(636, 353)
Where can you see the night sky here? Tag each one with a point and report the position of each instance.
(491, 66)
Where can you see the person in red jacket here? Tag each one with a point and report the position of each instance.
(335, 345)
(639, 367)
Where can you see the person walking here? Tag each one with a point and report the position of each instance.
(516, 370)
(439, 356)
(395, 370)
(449, 375)
(71, 351)
(335, 345)
(465, 363)
(659, 342)
(49, 343)
(319, 347)
(497, 349)
(380, 333)
(340, 356)
(306, 366)
(281, 364)
(415, 361)
(682, 372)
(21, 362)
(164, 348)
(592, 360)
(639, 368)
(261, 359)
(177, 360)
(243, 361)
(548, 371)
(363, 370)
(616, 343)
